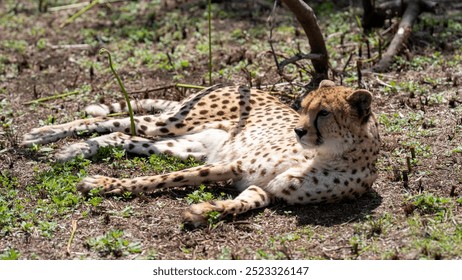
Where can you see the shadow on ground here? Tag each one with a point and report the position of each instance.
(337, 213)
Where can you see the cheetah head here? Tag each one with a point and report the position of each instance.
(332, 117)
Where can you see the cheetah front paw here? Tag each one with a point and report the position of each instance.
(73, 151)
(41, 135)
(108, 185)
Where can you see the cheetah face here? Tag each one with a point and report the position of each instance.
(332, 118)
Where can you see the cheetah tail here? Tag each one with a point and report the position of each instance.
(148, 105)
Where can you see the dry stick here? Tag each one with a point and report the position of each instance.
(297, 57)
(401, 36)
(360, 76)
(412, 152)
(307, 19)
(79, 13)
(71, 238)
(405, 179)
(74, 46)
(347, 62)
(166, 87)
(380, 48)
(43, 99)
(408, 163)
(82, 4)
(368, 49)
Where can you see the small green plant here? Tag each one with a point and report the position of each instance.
(113, 244)
(47, 228)
(199, 195)
(122, 87)
(15, 45)
(152, 255)
(459, 200)
(377, 226)
(356, 245)
(225, 254)
(49, 120)
(42, 44)
(94, 197)
(9, 254)
(108, 153)
(428, 203)
(168, 163)
(213, 217)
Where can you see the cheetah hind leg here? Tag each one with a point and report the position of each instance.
(251, 198)
(182, 147)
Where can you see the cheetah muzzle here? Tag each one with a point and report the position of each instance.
(325, 153)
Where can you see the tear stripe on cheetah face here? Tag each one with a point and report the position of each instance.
(247, 136)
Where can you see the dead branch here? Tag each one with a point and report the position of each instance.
(80, 5)
(307, 19)
(409, 9)
(297, 57)
(404, 31)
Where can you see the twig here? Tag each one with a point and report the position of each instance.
(75, 46)
(347, 62)
(358, 69)
(79, 13)
(71, 238)
(166, 87)
(382, 83)
(79, 5)
(299, 56)
(43, 99)
(122, 87)
(151, 89)
(189, 86)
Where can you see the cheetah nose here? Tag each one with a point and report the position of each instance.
(300, 132)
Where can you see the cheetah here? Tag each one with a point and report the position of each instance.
(325, 153)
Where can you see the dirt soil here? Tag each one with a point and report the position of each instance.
(430, 123)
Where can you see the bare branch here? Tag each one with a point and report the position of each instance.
(401, 36)
(308, 21)
(299, 56)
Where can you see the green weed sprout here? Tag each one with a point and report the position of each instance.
(127, 99)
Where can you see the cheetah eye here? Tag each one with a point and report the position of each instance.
(323, 113)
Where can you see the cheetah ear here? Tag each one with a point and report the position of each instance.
(326, 83)
(360, 100)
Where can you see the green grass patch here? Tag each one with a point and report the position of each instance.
(10, 254)
(40, 205)
(113, 243)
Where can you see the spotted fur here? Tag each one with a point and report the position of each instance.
(324, 154)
